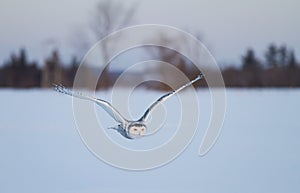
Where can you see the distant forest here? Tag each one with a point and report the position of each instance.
(278, 68)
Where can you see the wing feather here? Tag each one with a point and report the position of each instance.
(113, 112)
(166, 96)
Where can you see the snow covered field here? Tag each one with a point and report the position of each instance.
(258, 150)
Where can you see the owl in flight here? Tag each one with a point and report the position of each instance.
(127, 128)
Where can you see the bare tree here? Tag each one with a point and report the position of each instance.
(106, 17)
(174, 57)
(109, 15)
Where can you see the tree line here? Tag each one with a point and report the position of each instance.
(19, 72)
(278, 68)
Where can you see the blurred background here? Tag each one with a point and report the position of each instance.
(255, 43)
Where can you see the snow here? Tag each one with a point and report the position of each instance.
(257, 151)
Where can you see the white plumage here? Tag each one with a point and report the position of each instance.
(127, 128)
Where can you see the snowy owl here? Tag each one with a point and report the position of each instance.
(127, 128)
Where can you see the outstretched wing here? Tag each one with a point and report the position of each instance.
(166, 96)
(114, 113)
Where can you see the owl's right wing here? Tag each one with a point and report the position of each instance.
(113, 112)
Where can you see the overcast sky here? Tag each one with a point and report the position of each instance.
(227, 27)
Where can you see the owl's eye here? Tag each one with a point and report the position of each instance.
(143, 129)
(135, 129)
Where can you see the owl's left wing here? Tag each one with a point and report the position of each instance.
(166, 96)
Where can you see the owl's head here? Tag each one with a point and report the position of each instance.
(137, 130)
